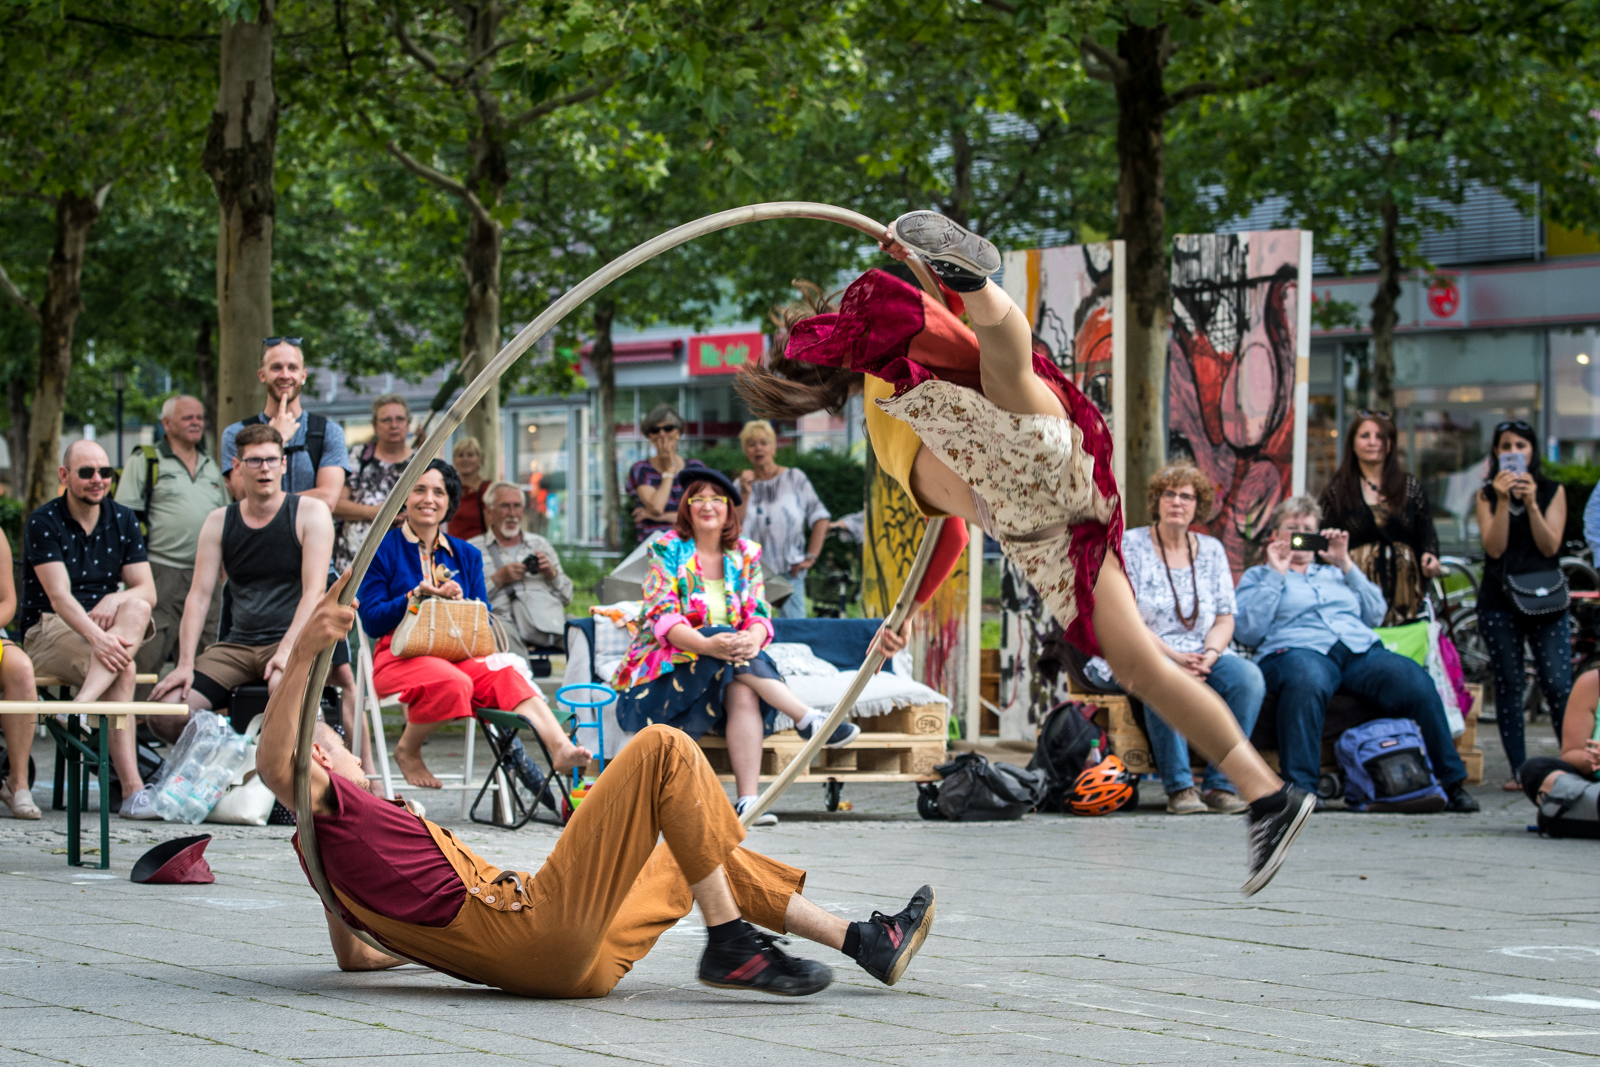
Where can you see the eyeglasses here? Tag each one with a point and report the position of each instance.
(268, 342)
(1182, 498)
(712, 501)
(653, 430)
(257, 463)
(106, 473)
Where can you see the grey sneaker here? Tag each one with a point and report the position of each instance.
(141, 805)
(1185, 802)
(1223, 802)
(960, 258)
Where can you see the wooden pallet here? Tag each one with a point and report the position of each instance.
(871, 757)
(923, 720)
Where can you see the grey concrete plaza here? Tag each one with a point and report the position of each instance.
(1385, 940)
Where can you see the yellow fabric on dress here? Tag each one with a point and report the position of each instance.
(894, 443)
(716, 601)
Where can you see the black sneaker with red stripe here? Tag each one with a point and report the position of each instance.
(889, 941)
(753, 960)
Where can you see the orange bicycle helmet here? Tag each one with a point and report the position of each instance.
(1102, 789)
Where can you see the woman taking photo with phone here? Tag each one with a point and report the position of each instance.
(1392, 539)
(1521, 516)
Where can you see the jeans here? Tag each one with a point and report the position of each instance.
(1503, 633)
(795, 606)
(1305, 680)
(1238, 682)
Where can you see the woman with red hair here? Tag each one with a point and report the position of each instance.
(696, 662)
(975, 424)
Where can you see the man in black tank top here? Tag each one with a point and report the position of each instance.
(274, 548)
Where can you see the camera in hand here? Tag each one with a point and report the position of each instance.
(531, 561)
(1308, 542)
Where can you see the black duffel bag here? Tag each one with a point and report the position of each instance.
(973, 789)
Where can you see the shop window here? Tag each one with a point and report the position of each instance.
(1575, 390)
(542, 470)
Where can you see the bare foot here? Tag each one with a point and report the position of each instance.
(415, 770)
(568, 758)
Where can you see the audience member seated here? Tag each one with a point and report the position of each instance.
(16, 683)
(527, 588)
(696, 663)
(417, 559)
(1184, 587)
(1580, 752)
(1311, 625)
(274, 547)
(76, 624)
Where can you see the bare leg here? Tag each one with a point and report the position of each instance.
(804, 919)
(564, 755)
(16, 681)
(1005, 355)
(743, 732)
(124, 742)
(408, 754)
(780, 696)
(133, 618)
(715, 897)
(1187, 704)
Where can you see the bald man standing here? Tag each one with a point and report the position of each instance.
(172, 486)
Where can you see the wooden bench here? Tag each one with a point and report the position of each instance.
(1129, 743)
(73, 741)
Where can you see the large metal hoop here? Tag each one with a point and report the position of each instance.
(475, 390)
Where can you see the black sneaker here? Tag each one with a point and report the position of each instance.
(1272, 824)
(889, 941)
(842, 735)
(1458, 799)
(960, 258)
(755, 961)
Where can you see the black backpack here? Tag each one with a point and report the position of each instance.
(974, 789)
(1066, 737)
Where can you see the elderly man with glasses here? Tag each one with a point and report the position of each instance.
(527, 587)
(76, 624)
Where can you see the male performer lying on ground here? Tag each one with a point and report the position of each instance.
(603, 896)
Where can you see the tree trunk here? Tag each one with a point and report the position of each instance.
(58, 316)
(480, 335)
(205, 367)
(238, 156)
(1142, 223)
(955, 208)
(605, 369)
(17, 398)
(1384, 314)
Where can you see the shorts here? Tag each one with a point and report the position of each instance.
(222, 668)
(59, 651)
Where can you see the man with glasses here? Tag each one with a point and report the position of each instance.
(382, 463)
(76, 624)
(274, 547)
(172, 486)
(527, 587)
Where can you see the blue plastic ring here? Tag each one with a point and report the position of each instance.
(610, 695)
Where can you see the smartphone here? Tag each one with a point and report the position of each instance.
(1308, 542)
(1515, 462)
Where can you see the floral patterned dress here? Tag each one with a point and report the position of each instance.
(661, 683)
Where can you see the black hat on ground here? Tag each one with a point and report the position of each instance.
(180, 861)
(689, 475)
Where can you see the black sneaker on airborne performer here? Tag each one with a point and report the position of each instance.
(754, 961)
(960, 258)
(1271, 825)
(889, 941)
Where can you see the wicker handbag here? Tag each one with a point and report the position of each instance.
(450, 629)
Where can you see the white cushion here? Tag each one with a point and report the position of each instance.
(795, 660)
(884, 693)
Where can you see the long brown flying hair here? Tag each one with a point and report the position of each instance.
(1346, 483)
(783, 388)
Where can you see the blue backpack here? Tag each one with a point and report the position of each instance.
(1386, 768)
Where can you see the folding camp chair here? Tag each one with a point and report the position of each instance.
(515, 805)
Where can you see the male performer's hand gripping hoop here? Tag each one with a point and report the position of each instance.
(602, 898)
(975, 425)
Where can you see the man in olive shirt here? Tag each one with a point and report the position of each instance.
(188, 486)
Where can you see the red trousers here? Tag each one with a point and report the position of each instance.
(436, 690)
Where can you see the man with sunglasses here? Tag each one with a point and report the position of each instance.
(76, 624)
(274, 547)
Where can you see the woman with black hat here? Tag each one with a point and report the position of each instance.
(696, 662)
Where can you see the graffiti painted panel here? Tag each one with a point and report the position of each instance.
(1230, 376)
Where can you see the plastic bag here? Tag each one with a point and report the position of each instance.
(207, 757)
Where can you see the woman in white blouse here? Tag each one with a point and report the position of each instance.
(782, 512)
(1184, 588)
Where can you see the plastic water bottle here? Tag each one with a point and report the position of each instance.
(215, 777)
(200, 738)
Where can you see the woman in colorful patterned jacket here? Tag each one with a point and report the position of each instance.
(697, 663)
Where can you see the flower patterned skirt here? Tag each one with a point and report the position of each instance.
(1033, 484)
(690, 696)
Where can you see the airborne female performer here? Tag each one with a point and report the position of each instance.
(973, 424)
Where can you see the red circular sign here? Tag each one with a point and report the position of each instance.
(1444, 299)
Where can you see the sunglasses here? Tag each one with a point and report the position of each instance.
(1365, 414)
(268, 342)
(653, 430)
(698, 501)
(256, 463)
(86, 473)
(1514, 424)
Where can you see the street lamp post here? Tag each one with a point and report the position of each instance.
(119, 382)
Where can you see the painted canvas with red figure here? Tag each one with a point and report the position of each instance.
(1237, 358)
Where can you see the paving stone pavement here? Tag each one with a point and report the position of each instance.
(1385, 940)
